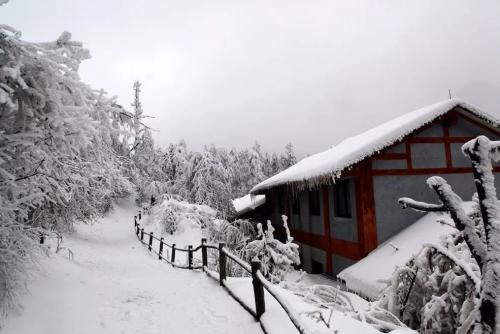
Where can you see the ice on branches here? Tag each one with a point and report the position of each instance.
(277, 258)
(459, 282)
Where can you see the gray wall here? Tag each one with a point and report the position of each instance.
(435, 130)
(310, 253)
(428, 155)
(388, 189)
(464, 128)
(389, 164)
(305, 222)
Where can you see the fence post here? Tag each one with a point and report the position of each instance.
(150, 241)
(42, 238)
(190, 257)
(258, 290)
(137, 230)
(142, 233)
(160, 252)
(172, 260)
(204, 257)
(135, 220)
(140, 215)
(222, 264)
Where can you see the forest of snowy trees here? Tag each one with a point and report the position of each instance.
(67, 151)
(214, 176)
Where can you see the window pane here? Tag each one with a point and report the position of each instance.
(342, 199)
(314, 204)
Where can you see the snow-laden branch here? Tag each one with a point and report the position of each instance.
(420, 206)
(481, 151)
(463, 222)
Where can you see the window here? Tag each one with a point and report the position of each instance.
(295, 205)
(314, 204)
(342, 199)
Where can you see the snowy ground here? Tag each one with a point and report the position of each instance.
(114, 285)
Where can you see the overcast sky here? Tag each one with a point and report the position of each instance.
(307, 72)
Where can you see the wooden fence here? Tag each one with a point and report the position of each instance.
(259, 282)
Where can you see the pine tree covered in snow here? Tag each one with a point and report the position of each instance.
(138, 127)
(288, 159)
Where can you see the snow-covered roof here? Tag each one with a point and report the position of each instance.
(367, 275)
(330, 163)
(248, 203)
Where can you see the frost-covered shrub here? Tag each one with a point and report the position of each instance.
(235, 235)
(154, 190)
(172, 212)
(277, 258)
(436, 291)
(18, 249)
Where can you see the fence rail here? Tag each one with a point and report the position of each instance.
(259, 282)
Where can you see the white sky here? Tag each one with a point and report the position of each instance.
(307, 72)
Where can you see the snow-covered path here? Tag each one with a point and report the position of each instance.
(114, 285)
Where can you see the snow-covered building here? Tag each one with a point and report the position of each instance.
(343, 203)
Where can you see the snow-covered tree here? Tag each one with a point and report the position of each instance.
(174, 165)
(288, 158)
(59, 148)
(209, 183)
(138, 127)
(277, 258)
(472, 282)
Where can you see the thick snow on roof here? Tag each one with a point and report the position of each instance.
(248, 203)
(365, 277)
(354, 149)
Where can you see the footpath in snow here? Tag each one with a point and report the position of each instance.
(114, 285)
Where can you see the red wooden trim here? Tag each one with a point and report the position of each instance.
(346, 248)
(426, 171)
(318, 241)
(390, 156)
(447, 146)
(326, 224)
(341, 247)
(438, 140)
(460, 140)
(359, 214)
(426, 140)
(367, 227)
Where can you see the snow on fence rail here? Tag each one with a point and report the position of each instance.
(259, 282)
